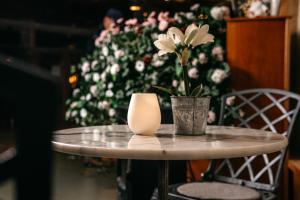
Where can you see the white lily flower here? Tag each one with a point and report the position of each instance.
(198, 35)
(165, 44)
(193, 36)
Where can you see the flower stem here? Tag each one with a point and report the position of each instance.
(186, 81)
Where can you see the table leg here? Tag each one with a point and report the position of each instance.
(163, 179)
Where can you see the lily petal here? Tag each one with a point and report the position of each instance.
(202, 36)
(189, 29)
(176, 35)
(202, 40)
(165, 45)
(163, 52)
(190, 36)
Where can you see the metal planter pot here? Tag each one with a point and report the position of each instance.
(190, 114)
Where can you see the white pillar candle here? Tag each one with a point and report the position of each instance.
(144, 113)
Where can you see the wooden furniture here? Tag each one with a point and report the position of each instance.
(294, 178)
(258, 52)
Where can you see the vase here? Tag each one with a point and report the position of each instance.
(274, 7)
(190, 114)
(143, 114)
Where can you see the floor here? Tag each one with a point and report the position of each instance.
(73, 181)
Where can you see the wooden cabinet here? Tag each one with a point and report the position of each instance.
(258, 52)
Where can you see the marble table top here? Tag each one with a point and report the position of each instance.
(117, 141)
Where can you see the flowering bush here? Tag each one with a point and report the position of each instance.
(126, 61)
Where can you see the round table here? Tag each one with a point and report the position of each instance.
(117, 141)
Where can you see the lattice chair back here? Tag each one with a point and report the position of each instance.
(267, 109)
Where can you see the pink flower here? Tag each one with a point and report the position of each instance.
(131, 22)
(193, 73)
(164, 16)
(230, 100)
(101, 37)
(163, 25)
(119, 21)
(150, 20)
(218, 52)
(115, 30)
(211, 117)
(175, 83)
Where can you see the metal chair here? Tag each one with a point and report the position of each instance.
(253, 177)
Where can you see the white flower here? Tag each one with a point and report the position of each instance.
(87, 77)
(127, 29)
(74, 113)
(193, 73)
(175, 83)
(114, 46)
(178, 18)
(202, 58)
(190, 15)
(109, 93)
(82, 98)
(115, 68)
(75, 92)
(139, 66)
(156, 62)
(103, 76)
(218, 76)
(194, 62)
(218, 53)
(107, 69)
(83, 113)
(120, 94)
(211, 117)
(68, 114)
(119, 53)
(93, 90)
(154, 36)
(195, 7)
(219, 12)
(110, 59)
(257, 8)
(73, 105)
(163, 25)
(111, 112)
(193, 36)
(85, 67)
(94, 63)
(96, 77)
(164, 44)
(103, 105)
(181, 87)
(230, 100)
(110, 85)
(88, 97)
(105, 51)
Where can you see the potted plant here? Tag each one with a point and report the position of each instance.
(190, 110)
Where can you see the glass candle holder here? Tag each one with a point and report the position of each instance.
(144, 115)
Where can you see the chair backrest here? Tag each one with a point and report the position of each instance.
(267, 109)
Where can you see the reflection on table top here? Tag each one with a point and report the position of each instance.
(117, 141)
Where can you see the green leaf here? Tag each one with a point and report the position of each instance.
(169, 91)
(197, 91)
